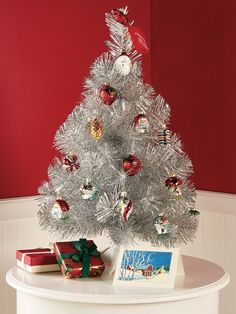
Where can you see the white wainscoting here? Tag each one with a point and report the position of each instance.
(215, 240)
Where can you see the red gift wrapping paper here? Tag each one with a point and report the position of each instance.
(73, 269)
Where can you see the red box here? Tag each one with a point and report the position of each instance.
(37, 260)
(90, 265)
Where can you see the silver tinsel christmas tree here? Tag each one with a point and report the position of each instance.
(122, 172)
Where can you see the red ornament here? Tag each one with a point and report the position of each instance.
(108, 94)
(63, 205)
(127, 211)
(124, 206)
(60, 209)
(120, 17)
(131, 165)
(138, 39)
(70, 162)
(173, 181)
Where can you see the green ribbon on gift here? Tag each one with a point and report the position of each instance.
(83, 254)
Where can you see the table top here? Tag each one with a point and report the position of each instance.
(201, 277)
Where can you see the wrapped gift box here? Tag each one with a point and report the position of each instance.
(79, 259)
(37, 260)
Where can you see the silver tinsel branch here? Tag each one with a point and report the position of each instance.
(101, 161)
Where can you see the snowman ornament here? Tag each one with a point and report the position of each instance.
(162, 224)
(122, 65)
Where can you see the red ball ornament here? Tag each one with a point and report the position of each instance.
(120, 17)
(173, 181)
(131, 165)
(138, 39)
(108, 94)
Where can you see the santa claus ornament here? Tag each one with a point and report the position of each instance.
(131, 165)
(174, 185)
(141, 124)
(122, 65)
(108, 94)
(60, 209)
(124, 206)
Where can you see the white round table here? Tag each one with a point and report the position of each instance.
(49, 293)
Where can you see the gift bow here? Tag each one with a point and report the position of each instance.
(83, 254)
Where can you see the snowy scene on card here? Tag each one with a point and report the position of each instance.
(145, 265)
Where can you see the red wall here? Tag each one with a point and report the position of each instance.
(46, 48)
(194, 68)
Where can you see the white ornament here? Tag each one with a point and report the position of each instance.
(59, 211)
(162, 225)
(122, 65)
(88, 191)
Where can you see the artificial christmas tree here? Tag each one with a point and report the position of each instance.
(122, 171)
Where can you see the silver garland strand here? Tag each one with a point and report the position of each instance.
(158, 214)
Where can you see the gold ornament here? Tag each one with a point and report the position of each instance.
(96, 129)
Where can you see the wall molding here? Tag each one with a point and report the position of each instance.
(26, 207)
(18, 208)
(216, 202)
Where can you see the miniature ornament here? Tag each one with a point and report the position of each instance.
(88, 191)
(131, 165)
(176, 192)
(141, 124)
(60, 209)
(120, 17)
(164, 137)
(174, 183)
(124, 206)
(96, 129)
(123, 105)
(138, 40)
(108, 94)
(193, 213)
(162, 224)
(123, 65)
(70, 163)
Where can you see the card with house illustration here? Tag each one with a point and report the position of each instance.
(146, 266)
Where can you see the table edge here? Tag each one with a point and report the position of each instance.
(170, 295)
